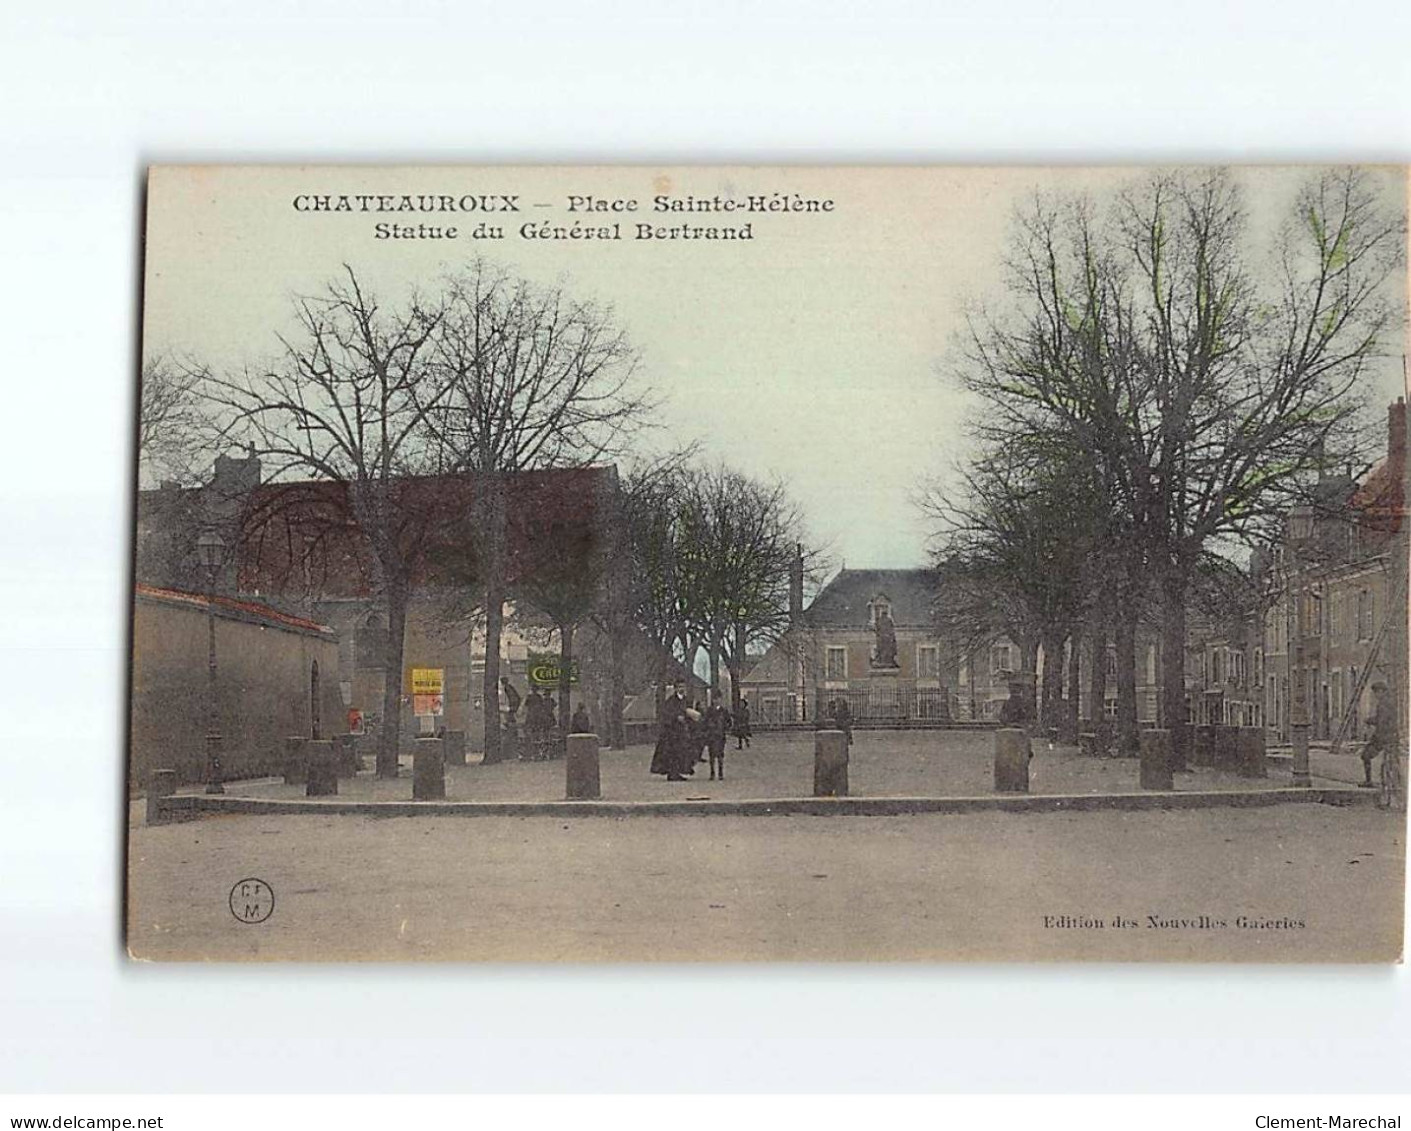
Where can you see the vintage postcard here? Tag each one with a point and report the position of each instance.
(630, 564)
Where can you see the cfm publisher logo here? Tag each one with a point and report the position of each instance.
(252, 901)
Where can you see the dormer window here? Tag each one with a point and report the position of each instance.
(876, 607)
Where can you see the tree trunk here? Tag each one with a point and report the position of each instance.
(1126, 641)
(1050, 709)
(1097, 677)
(1028, 672)
(714, 655)
(617, 691)
(389, 739)
(490, 688)
(565, 678)
(1070, 726)
(494, 526)
(1173, 661)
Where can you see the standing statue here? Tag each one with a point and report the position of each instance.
(885, 655)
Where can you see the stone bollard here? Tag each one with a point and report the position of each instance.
(1227, 755)
(584, 783)
(455, 748)
(1251, 753)
(429, 770)
(1156, 760)
(322, 764)
(348, 761)
(830, 763)
(296, 765)
(1012, 753)
(160, 784)
(1203, 746)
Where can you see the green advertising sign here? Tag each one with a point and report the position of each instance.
(544, 670)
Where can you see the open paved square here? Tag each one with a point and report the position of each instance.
(1223, 884)
(949, 763)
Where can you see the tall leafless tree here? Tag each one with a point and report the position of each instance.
(1209, 392)
(534, 379)
(343, 405)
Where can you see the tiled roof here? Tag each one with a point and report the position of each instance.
(233, 605)
(844, 600)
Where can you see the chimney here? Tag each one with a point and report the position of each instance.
(796, 585)
(1396, 430)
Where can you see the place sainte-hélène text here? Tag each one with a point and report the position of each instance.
(1173, 923)
(498, 216)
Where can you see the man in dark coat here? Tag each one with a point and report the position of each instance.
(582, 724)
(742, 725)
(674, 755)
(715, 724)
(512, 701)
(1381, 738)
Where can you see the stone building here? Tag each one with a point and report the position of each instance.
(869, 638)
(294, 545)
(1334, 609)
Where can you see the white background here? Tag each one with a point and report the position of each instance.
(90, 93)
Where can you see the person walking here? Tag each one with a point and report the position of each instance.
(673, 755)
(512, 701)
(742, 725)
(582, 724)
(715, 724)
(1381, 737)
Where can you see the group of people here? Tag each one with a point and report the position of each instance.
(687, 735)
(542, 739)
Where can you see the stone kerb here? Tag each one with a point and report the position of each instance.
(1156, 759)
(830, 763)
(1012, 752)
(429, 770)
(581, 769)
(322, 768)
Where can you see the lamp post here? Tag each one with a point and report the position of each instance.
(211, 547)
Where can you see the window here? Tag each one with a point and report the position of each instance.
(928, 661)
(1001, 660)
(1365, 614)
(876, 607)
(837, 662)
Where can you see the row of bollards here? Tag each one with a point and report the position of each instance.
(317, 764)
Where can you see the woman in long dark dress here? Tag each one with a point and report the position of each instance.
(674, 755)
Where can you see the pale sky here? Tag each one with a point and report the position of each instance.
(812, 352)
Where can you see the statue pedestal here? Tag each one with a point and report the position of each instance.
(884, 693)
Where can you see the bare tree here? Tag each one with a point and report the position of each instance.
(1016, 549)
(343, 406)
(534, 379)
(170, 424)
(1206, 393)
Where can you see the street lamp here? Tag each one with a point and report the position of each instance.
(211, 548)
